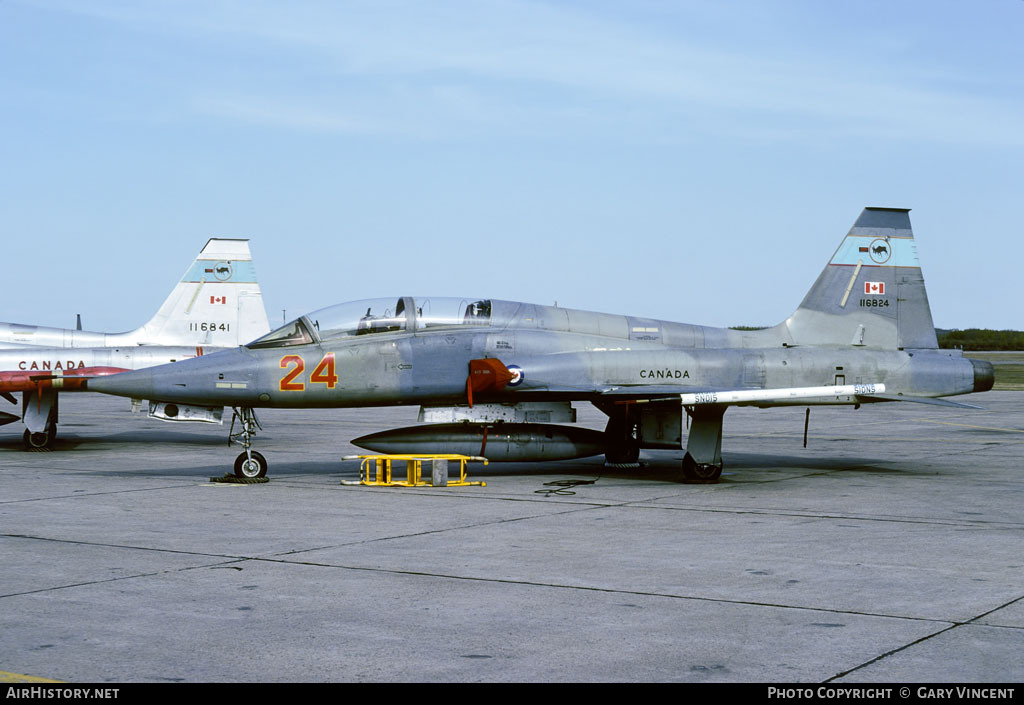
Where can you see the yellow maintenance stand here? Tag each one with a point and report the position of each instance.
(375, 470)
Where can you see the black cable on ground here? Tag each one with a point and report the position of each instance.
(561, 487)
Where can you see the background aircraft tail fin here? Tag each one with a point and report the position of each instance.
(872, 292)
(218, 302)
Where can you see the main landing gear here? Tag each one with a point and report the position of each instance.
(695, 473)
(702, 464)
(39, 411)
(40, 441)
(249, 464)
(622, 437)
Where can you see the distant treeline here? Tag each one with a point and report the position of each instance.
(969, 339)
(981, 339)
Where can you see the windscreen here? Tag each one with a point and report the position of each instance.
(294, 333)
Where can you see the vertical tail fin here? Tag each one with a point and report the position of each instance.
(218, 302)
(872, 292)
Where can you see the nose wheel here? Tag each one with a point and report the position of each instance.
(249, 464)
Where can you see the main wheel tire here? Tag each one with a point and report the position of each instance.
(622, 439)
(35, 441)
(622, 455)
(247, 467)
(695, 473)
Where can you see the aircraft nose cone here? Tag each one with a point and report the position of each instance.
(984, 375)
(126, 384)
(223, 377)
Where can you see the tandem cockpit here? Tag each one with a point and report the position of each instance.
(378, 316)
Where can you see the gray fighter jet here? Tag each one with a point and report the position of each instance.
(498, 378)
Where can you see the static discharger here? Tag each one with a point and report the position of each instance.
(375, 470)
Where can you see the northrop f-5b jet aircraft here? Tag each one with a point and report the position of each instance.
(498, 378)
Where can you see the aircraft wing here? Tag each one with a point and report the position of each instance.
(741, 397)
(770, 397)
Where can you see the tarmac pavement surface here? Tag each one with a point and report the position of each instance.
(889, 550)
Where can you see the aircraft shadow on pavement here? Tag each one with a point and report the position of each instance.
(824, 463)
(658, 466)
(68, 442)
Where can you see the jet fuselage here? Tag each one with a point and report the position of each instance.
(430, 366)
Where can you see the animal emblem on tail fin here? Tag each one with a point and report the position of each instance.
(218, 302)
(871, 293)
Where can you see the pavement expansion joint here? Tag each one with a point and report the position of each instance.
(969, 622)
(623, 591)
(464, 527)
(890, 653)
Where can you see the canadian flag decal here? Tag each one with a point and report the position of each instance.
(218, 299)
(877, 288)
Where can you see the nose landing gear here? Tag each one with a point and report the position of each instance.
(250, 463)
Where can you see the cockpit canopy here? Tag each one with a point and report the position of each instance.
(377, 316)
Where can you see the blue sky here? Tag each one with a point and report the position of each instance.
(691, 161)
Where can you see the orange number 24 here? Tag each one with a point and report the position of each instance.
(323, 373)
